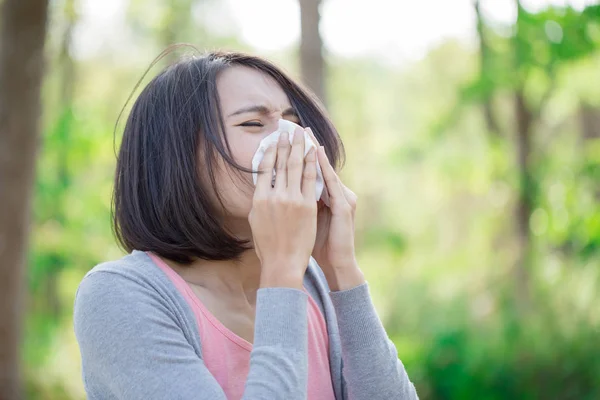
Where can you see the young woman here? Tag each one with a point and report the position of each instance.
(219, 297)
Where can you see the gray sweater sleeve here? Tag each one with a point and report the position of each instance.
(133, 347)
(371, 368)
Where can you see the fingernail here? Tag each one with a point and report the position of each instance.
(283, 137)
(310, 156)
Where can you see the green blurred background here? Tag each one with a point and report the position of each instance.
(472, 133)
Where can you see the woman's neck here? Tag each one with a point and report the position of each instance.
(234, 279)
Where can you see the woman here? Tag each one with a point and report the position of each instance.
(219, 297)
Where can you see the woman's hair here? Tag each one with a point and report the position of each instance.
(171, 139)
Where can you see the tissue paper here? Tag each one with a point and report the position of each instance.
(288, 126)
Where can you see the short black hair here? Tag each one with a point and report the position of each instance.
(160, 203)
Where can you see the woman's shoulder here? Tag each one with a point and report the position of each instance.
(118, 287)
(131, 293)
(129, 278)
(133, 277)
(136, 266)
(127, 318)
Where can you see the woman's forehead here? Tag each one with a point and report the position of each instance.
(240, 86)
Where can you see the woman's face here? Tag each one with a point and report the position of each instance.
(252, 103)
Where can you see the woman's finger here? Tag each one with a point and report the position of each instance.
(265, 168)
(295, 162)
(309, 177)
(334, 188)
(283, 152)
(350, 196)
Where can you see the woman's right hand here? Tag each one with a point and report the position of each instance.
(283, 218)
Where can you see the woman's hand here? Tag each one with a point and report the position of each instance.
(283, 218)
(334, 245)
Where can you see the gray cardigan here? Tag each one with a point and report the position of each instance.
(139, 339)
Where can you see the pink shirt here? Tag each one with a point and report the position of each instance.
(227, 356)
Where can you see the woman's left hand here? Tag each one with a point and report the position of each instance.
(334, 245)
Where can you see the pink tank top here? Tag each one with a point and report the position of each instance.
(227, 356)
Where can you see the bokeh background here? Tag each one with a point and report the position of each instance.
(472, 133)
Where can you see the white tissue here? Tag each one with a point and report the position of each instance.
(288, 126)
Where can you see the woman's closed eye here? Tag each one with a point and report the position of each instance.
(252, 124)
(258, 124)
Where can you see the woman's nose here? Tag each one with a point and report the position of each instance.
(271, 127)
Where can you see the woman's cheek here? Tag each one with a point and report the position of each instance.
(244, 150)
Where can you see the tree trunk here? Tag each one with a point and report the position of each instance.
(312, 65)
(485, 63)
(176, 25)
(525, 199)
(589, 117)
(590, 121)
(21, 65)
(66, 63)
(526, 192)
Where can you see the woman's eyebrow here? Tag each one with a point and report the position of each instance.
(290, 112)
(263, 110)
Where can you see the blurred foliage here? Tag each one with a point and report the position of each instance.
(438, 181)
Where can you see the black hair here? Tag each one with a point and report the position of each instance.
(160, 202)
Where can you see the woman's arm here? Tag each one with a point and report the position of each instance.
(371, 368)
(133, 348)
